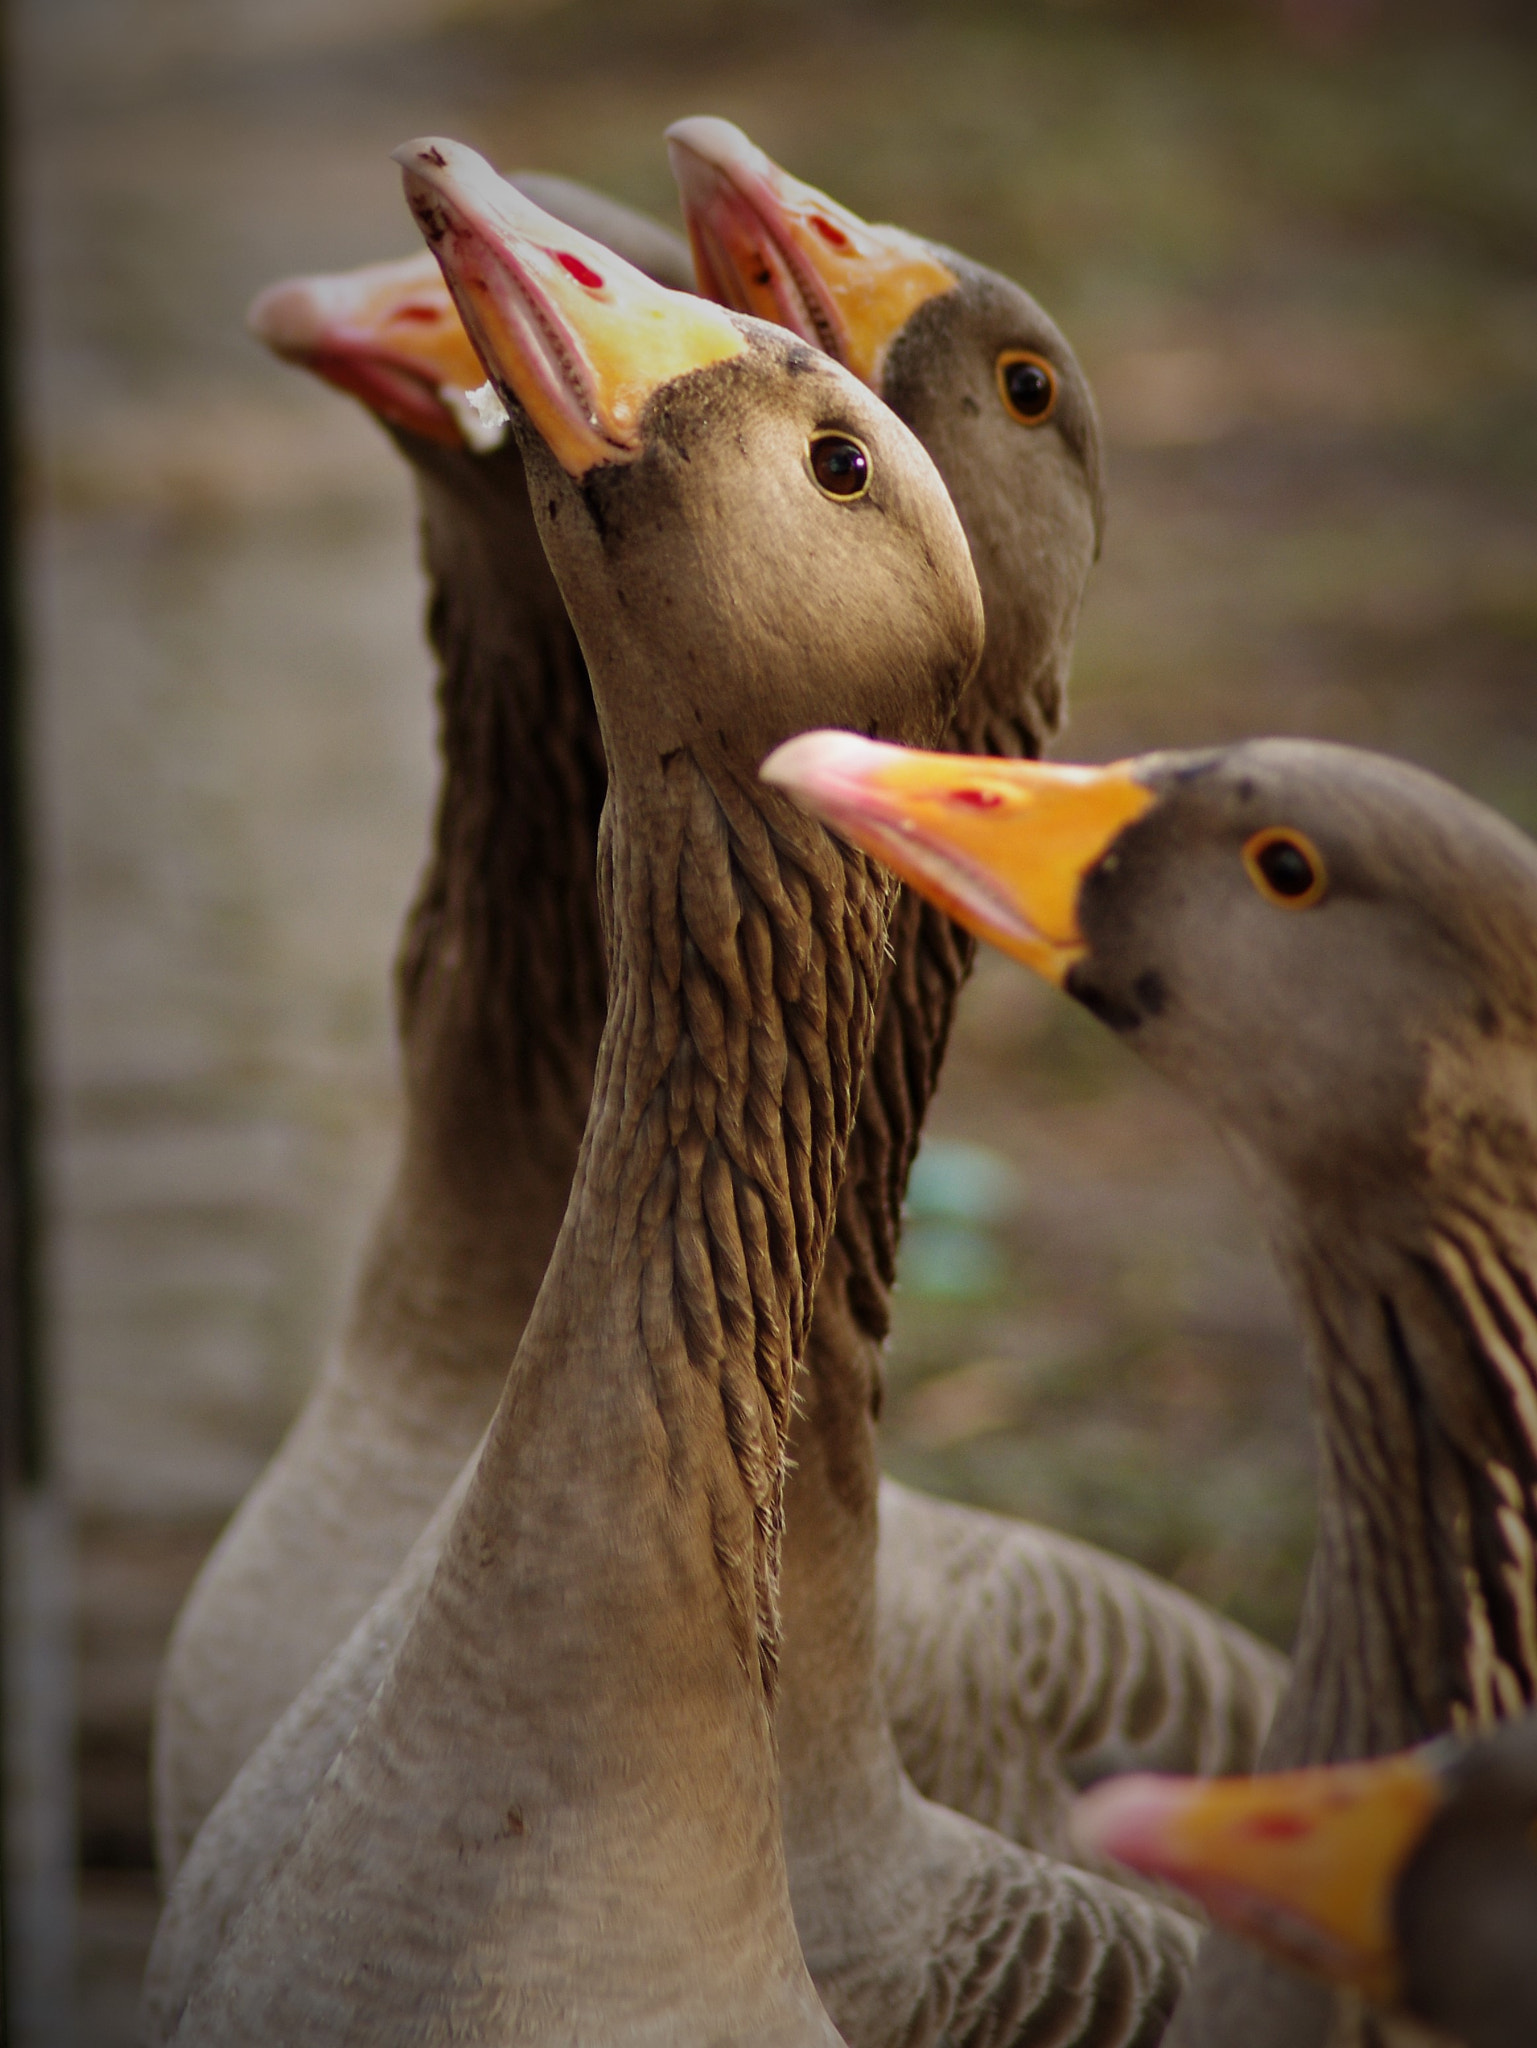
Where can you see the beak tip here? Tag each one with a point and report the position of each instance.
(707, 136)
(285, 318)
(425, 154)
(1127, 1819)
(806, 765)
(780, 767)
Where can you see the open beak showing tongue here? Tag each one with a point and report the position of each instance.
(565, 328)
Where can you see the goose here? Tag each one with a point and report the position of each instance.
(1332, 954)
(1028, 1951)
(499, 1007)
(1411, 1880)
(585, 1844)
(1013, 1663)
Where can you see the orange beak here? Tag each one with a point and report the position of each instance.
(1303, 1863)
(565, 328)
(764, 243)
(1002, 846)
(390, 336)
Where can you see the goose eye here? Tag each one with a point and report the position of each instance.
(1286, 868)
(1028, 385)
(840, 465)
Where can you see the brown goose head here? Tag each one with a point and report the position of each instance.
(1300, 935)
(717, 500)
(969, 361)
(1413, 1879)
(1332, 954)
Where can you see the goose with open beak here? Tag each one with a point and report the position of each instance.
(1332, 954)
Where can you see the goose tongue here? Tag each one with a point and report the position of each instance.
(1303, 1863)
(569, 331)
(1003, 846)
(764, 243)
(387, 334)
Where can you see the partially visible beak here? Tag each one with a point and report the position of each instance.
(1303, 1863)
(1003, 846)
(764, 243)
(578, 337)
(388, 335)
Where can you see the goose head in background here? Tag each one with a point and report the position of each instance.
(1412, 1880)
(966, 357)
(388, 335)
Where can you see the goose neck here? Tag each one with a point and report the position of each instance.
(929, 960)
(500, 978)
(1421, 1611)
(745, 946)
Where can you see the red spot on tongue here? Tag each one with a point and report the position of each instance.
(427, 315)
(979, 799)
(829, 233)
(575, 267)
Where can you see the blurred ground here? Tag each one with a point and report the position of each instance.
(1294, 247)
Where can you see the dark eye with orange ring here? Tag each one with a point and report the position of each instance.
(1028, 386)
(1286, 868)
(840, 465)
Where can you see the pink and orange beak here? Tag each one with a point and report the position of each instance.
(1002, 846)
(390, 336)
(565, 328)
(1302, 1863)
(766, 244)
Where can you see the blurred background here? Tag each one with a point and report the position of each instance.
(1295, 244)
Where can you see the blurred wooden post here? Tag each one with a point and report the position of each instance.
(37, 1808)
